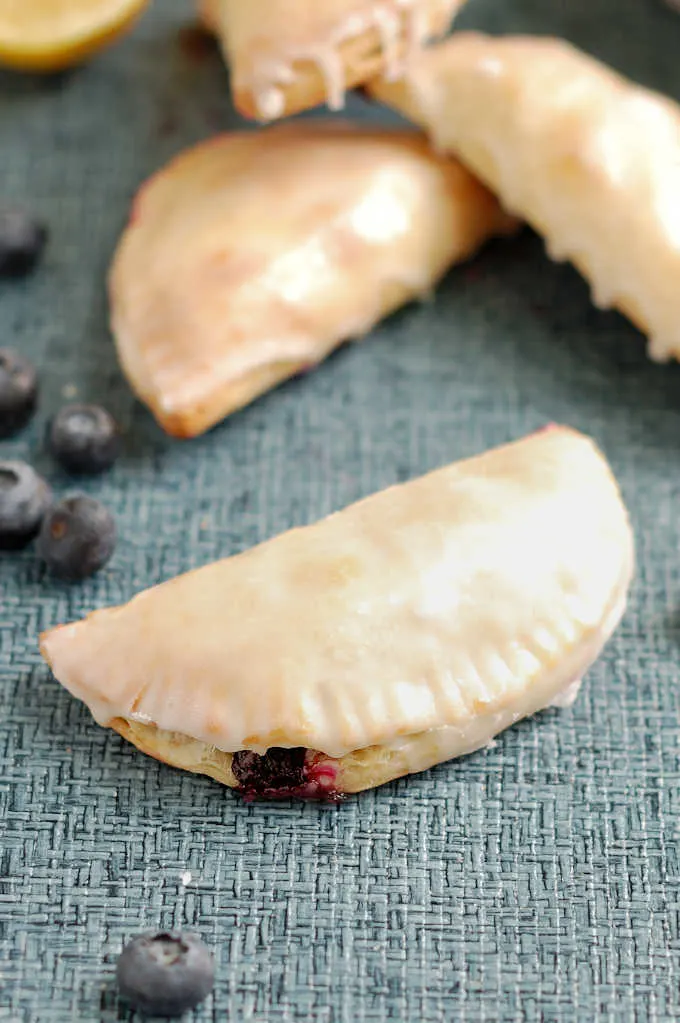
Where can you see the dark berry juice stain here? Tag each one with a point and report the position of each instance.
(280, 773)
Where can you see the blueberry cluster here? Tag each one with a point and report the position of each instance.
(159, 974)
(76, 536)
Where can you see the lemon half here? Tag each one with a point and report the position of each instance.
(48, 35)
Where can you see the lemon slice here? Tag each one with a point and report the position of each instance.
(48, 35)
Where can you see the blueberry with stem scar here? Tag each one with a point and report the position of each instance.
(165, 974)
(77, 538)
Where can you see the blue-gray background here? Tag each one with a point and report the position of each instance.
(537, 880)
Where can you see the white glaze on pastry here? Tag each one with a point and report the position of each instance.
(586, 157)
(250, 257)
(286, 55)
(407, 629)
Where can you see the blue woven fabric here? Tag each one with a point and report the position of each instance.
(535, 881)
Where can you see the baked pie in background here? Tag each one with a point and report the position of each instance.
(250, 257)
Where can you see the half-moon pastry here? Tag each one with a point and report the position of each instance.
(250, 257)
(589, 159)
(408, 629)
(288, 55)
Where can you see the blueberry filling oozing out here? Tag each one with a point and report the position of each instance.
(276, 770)
(280, 773)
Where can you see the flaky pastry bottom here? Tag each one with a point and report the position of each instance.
(355, 771)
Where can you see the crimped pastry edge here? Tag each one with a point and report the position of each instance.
(376, 765)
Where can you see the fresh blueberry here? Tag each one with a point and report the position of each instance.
(77, 537)
(84, 438)
(24, 500)
(165, 974)
(22, 240)
(18, 391)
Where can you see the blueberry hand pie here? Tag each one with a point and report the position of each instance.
(250, 257)
(408, 629)
(589, 159)
(288, 55)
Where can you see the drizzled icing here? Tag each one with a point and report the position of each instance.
(393, 21)
(416, 32)
(389, 29)
(332, 70)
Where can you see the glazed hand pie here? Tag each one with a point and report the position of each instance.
(590, 160)
(408, 629)
(288, 55)
(252, 256)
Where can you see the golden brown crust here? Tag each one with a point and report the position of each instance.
(178, 750)
(234, 395)
(357, 771)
